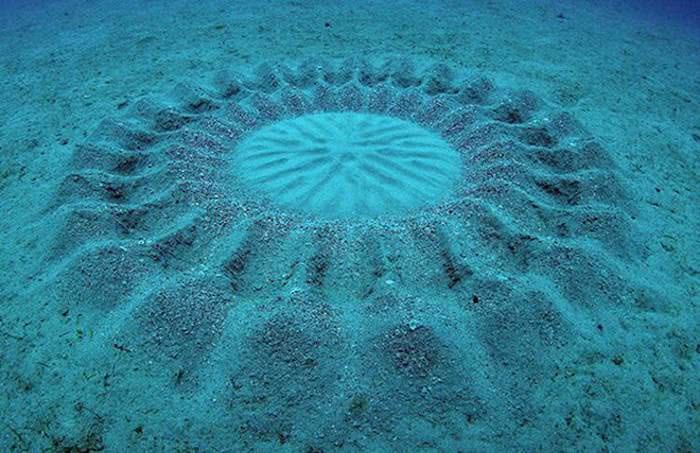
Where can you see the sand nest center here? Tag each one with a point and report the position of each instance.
(348, 164)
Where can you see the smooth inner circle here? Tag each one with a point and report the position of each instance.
(339, 165)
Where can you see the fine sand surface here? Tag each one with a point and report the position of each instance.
(563, 314)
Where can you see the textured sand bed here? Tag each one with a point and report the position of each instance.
(611, 374)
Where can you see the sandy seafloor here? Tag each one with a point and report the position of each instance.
(631, 80)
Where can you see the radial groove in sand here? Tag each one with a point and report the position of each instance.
(368, 164)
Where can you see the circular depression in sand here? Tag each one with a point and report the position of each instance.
(347, 164)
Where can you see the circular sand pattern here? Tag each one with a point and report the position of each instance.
(218, 231)
(348, 164)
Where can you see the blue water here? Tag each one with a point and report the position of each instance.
(677, 13)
